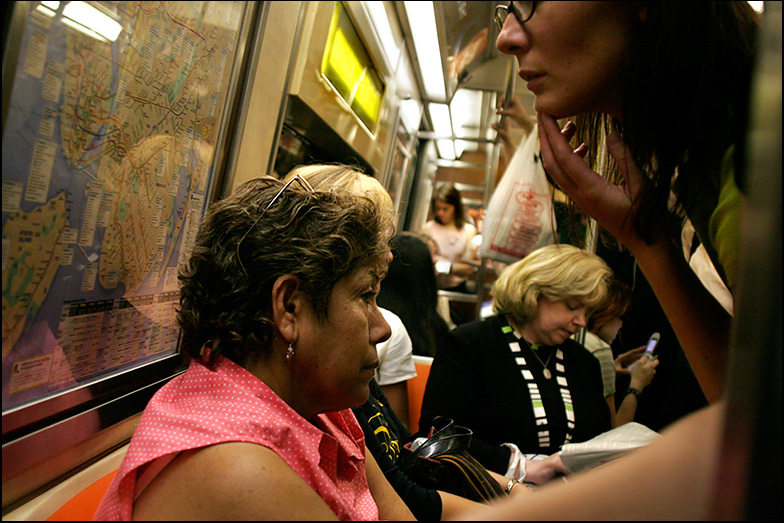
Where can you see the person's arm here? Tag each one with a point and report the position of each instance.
(390, 506)
(700, 322)
(517, 112)
(230, 481)
(508, 146)
(624, 361)
(670, 479)
(613, 412)
(397, 396)
(642, 375)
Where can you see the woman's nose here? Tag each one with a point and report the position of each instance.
(512, 39)
(380, 331)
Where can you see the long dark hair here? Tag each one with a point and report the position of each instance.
(411, 292)
(685, 97)
(448, 193)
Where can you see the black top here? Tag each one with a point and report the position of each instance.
(384, 435)
(476, 381)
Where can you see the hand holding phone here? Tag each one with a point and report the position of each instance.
(651, 347)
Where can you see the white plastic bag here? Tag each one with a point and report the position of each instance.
(606, 446)
(520, 216)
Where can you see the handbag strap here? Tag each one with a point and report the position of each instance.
(456, 439)
(476, 482)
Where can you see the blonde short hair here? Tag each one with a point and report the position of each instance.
(324, 177)
(557, 272)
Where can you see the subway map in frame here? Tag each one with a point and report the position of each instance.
(108, 159)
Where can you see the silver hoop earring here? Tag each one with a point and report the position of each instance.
(289, 352)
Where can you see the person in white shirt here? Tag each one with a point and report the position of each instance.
(453, 233)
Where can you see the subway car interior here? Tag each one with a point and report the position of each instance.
(123, 122)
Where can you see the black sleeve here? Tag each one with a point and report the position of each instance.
(383, 441)
(453, 391)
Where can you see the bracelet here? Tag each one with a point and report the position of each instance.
(632, 390)
(512, 483)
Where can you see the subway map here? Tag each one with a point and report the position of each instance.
(108, 152)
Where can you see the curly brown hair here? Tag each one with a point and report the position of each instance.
(318, 236)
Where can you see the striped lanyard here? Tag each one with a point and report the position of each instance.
(540, 415)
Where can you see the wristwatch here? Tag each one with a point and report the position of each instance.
(632, 390)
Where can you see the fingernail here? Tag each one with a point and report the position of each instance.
(568, 127)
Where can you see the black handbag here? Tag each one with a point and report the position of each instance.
(444, 463)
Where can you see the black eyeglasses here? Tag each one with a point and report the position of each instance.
(523, 11)
(305, 185)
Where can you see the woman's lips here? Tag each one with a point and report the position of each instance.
(533, 81)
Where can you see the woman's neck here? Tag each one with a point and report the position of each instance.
(524, 331)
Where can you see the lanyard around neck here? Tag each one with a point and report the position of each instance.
(540, 414)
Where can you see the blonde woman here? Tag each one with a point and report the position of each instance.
(515, 378)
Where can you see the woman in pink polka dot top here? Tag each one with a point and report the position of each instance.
(279, 321)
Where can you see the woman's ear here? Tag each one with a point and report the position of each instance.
(287, 305)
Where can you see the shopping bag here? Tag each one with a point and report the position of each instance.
(606, 446)
(520, 217)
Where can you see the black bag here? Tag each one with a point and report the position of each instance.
(443, 463)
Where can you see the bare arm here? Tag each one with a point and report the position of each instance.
(700, 322)
(642, 375)
(670, 479)
(397, 395)
(517, 112)
(390, 506)
(230, 481)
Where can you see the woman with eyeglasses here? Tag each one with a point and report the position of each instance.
(666, 84)
(280, 323)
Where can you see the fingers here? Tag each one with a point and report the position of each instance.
(548, 129)
(634, 352)
(565, 165)
(623, 158)
(581, 150)
(568, 133)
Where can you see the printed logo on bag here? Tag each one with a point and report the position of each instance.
(526, 226)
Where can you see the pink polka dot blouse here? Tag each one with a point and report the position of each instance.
(206, 406)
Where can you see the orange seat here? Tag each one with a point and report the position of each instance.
(416, 390)
(75, 498)
(83, 505)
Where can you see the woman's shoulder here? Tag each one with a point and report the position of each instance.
(479, 332)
